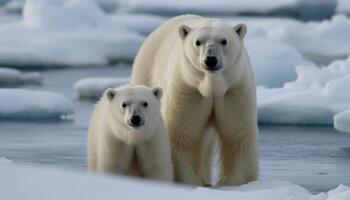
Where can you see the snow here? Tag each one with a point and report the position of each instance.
(342, 121)
(19, 182)
(93, 88)
(23, 104)
(313, 98)
(295, 8)
(306, 37)
(65, 33)
(12, 77)
(273, 61)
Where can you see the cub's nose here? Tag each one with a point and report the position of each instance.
(135, 121)
(211, 63)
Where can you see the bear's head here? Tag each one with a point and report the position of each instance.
(212, 46)
(134, 111)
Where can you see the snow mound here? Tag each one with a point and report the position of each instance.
(5, 161)
(18, 182)
(306, 37)
(12, 77)
(317, 9)
(65, 33)
(273, 62)
(22, 104)
(93, 88)
(342, 121)
(313, 99)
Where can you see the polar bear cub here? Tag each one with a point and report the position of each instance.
(127, 134)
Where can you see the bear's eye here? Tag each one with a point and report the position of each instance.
(124, 105)
(223, 42)
(145, 104)
(198, 43)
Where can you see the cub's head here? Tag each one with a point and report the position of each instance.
(213, 46)
(137, 108)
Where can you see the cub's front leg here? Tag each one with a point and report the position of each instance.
(113, 156)
(155, 158)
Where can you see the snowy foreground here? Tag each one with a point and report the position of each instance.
(25, 104)
(32, 183)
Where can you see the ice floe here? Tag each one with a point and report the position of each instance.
(12, 77)
(65, 33)
(23, 104)
(93, 88)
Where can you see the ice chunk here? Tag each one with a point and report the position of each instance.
(306, 37)
(293, 107)
(33, 182)
(65, 33)
(22, 104)
(12, 77)
(93, 88)
(313, 98)
(342, 121)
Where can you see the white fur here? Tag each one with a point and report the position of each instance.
(197, 101)
(114, 146)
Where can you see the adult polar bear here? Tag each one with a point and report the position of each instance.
(205, 72)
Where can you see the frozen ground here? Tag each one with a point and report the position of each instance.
(317, 158)
(40, 183)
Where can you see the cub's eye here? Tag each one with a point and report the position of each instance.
(124, 105)
(145, 104)
(223, 42)
(198, 43)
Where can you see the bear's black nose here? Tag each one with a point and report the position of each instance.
(135, 120)
(211, 62)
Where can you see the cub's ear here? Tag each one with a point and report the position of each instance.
(110, 93)
(241, 30)
(184, 30)
(158, 92)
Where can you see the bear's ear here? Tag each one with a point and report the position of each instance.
(184, 31)
(157, 91)
(241, 30)
(110, 93)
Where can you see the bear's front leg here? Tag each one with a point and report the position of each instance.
(236, 124)
(238, 161)
(185, 162)
(113, 156)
